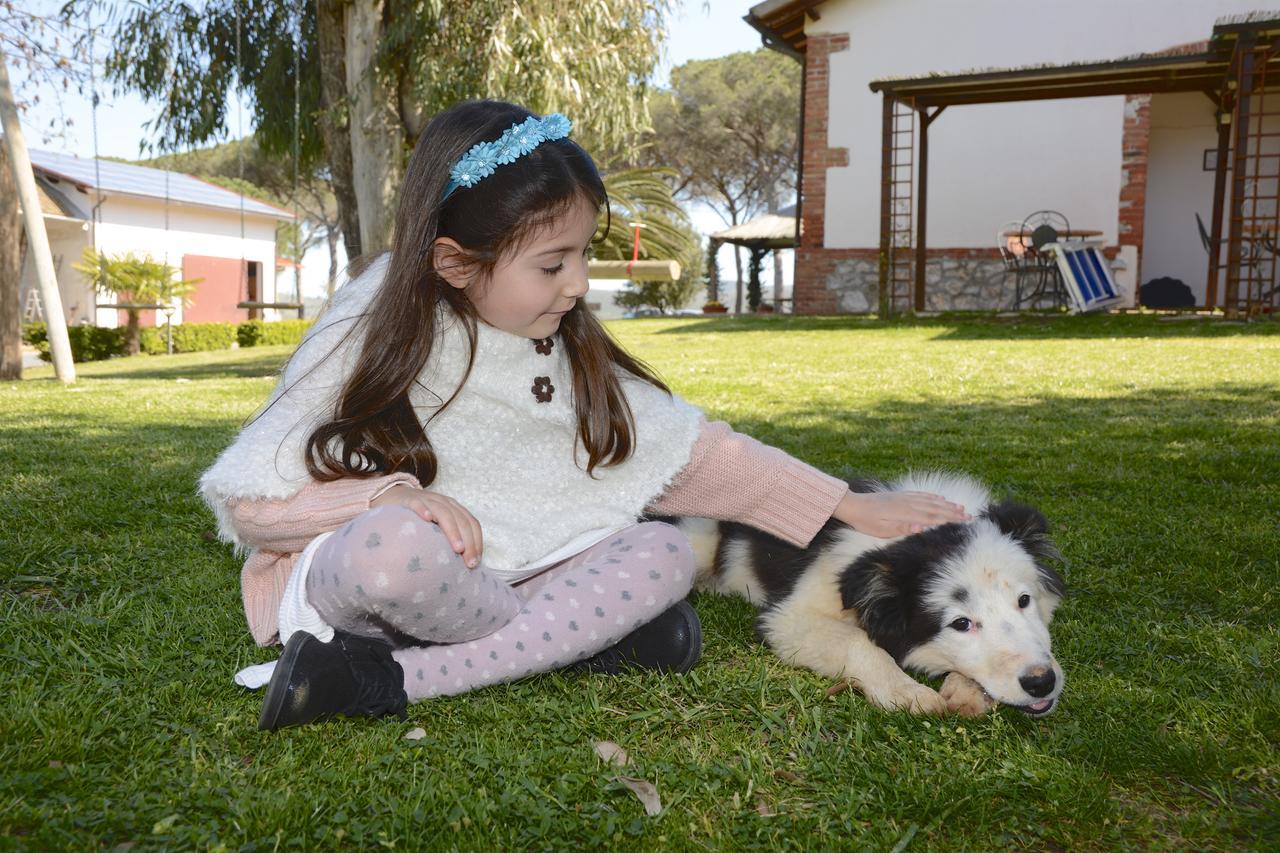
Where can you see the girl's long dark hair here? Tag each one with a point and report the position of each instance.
(374, 429)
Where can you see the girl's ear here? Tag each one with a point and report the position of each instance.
(451, 261)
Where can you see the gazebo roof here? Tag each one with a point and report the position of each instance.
(767, 231)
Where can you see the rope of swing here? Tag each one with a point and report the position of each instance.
(244, 267)
(96, 214)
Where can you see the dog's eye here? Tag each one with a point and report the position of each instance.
(1024, 600)
(961, 624)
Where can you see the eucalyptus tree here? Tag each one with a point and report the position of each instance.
(730, 129)
(50, 50)
(367, 75)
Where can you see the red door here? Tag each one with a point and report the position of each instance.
(214, 298)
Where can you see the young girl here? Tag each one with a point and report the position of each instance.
(443, 491)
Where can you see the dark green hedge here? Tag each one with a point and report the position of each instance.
(95, 343)
(188, 337)
(260, 333)
(88, 343)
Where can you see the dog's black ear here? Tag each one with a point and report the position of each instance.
(870, 587)
(1028, 526)
(1017, 520)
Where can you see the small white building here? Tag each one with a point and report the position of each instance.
(1132, 167)
(202, 230)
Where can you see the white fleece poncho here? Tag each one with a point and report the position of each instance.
(504, 450)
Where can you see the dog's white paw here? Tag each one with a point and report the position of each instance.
(964, 696)
(908, 695)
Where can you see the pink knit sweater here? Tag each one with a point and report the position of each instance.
(730, 477)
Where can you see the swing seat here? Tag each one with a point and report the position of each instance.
(284, 306)
(635, 270)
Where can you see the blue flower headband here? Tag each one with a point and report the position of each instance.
(515, 142)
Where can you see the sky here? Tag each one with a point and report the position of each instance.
(699, 29)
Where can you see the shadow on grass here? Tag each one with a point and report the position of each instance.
(1149, 485)
(986, 326)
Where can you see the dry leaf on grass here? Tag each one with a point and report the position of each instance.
(764, 808)
(838, 687)
(415, 734)
(788, 776)
(610, 752)
(646, 792)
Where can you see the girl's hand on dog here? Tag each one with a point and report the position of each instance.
(455, 522)
(889, 514)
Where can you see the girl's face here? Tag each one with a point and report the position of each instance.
(531, 291)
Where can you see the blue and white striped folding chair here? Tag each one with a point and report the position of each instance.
(1086, 275)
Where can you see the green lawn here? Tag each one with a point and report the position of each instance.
(1153, 447)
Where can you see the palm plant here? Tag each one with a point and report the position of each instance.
(137, 281)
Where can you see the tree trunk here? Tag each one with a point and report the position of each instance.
(331, 236)
(737, 265)
(777, 280)
(377, 134)
(10, 274)
(131, 345)
(23, 176)
(334, 123)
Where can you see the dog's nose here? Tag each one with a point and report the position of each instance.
(1038, 681)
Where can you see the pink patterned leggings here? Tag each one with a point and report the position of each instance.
(390, 574)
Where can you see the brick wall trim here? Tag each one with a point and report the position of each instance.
(1135, 147)
(812, 261)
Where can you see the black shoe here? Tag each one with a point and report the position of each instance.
(670, 643)
(350, 675)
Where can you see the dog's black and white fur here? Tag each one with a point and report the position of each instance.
(970, 601)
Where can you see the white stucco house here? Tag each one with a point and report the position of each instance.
(1131, 166)
(200, 229)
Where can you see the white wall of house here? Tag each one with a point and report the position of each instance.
(1182, 127)
(132, 224)
(137, 224)
(992, 163)
(67, 239)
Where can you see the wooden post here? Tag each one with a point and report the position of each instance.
(1223, 114)
(926, 118)
(713, 270)
(37, 236)
(1244, 89)
(922, 205)
(886, 200)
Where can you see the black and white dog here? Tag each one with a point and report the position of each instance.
(970, 601)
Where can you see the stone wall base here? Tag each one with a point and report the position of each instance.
(847, 281)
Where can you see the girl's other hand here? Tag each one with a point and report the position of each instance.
(889, 514)
(455, 522)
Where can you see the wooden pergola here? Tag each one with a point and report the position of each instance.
(1232, 72)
